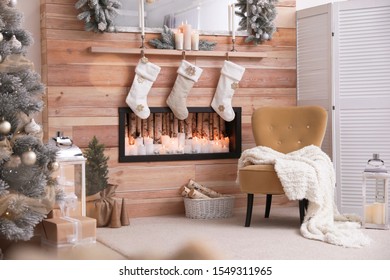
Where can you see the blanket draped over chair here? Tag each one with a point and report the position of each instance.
(309, 173)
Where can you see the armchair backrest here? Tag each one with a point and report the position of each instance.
(287, 129)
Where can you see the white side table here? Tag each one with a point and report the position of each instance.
(376, 214)
(78, 162)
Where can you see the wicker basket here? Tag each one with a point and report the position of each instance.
(212, 208)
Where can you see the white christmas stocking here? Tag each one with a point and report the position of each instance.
(145, 75)
(188, 74)
(231, 74)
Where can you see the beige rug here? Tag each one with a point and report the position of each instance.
(276, 238)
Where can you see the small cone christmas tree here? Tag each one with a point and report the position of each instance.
(96, 168)
(27, 189)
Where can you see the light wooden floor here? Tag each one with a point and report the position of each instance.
(34, 250)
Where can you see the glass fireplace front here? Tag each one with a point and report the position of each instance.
(162, 137)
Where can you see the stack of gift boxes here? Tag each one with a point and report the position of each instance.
(64, 227)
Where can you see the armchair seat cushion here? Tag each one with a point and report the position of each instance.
(260, 178)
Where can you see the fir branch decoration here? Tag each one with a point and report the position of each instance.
(206, 45)
(257, 18)
(98, 15)
(167, 40)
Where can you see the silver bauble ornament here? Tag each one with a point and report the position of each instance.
(29, 158)
(1, 37)
(12, 3)
(5, 127)
(265, 36)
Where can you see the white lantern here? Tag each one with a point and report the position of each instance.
(375, 202)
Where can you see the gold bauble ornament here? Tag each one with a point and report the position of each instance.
(54, 166)
(29, 157)
(5, 126)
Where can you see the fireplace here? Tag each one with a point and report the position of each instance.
(162, 137)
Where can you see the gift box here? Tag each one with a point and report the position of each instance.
(68, 231)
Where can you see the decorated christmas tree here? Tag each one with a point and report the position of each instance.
(96, 167)
(98, 15)
(27, 190)
(257, 18)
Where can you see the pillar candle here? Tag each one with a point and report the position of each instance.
(148, 140)
(181, 137)
(133, 150)
(139, 141)
(142, 17)
(187, 30)
(141, 150)
(229, 17)
(196, 145)
(233, 23)
(188, 149)
(195, 41)
(179, 40)
(378, 213)
(165, 139)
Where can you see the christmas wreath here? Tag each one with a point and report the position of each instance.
(98, 15)
(257, 18)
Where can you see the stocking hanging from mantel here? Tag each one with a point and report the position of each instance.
(187, 75)
(145, 75)
(231, 75)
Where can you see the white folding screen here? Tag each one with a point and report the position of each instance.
(356, 63)
(362, 93)
(314, 82)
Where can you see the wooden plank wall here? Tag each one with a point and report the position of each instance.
(84, 91)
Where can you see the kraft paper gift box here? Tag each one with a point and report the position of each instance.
(68, 231)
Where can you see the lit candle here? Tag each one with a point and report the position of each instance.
(233, 24)
(187, 30)
(165, 139)
(133, 150)
(148, 140)
(179, 40)
(149, 149)
(142, 17)
(139, 141)
(181, 137)
(141, 150)
(156, 148)
(188, 149)
(196, 146)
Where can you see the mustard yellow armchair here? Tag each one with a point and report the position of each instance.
(284, 129)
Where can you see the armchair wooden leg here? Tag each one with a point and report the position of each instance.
(249, 207)
(268, 205)
(302, 209)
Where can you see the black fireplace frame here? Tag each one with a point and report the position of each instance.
(233, 130)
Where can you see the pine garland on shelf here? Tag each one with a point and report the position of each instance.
(167, 41)
(257, 17)
(98, 15)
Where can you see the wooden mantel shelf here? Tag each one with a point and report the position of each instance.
(178, 52)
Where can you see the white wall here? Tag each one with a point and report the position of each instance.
(304, 4)
(31, 22)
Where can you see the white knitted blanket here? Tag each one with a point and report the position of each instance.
(309, 173)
